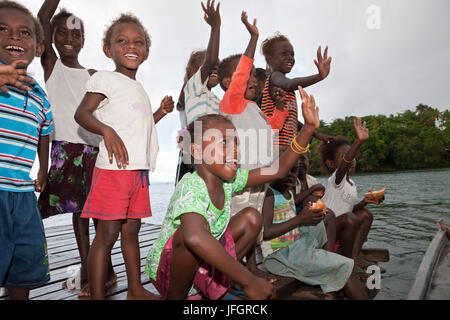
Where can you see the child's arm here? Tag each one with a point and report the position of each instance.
(43, 149)
(199, 240)
(15, 75)
(85, 118)
(274, 230)
(300, 197)
(49, 57)
(323, 65)
(212, 17)
(233, 101)
(362, 135)
(289, 158)
(166, 107)
(318, 135)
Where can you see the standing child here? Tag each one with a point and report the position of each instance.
(353, 219)
(294, 244)
(196, 253)
(74, 149)
(279, 55)
(119, 195)
(196, 98)
(237, 78)
(25, 123)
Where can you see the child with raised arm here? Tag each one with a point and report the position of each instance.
(74, 149)
(119, 195)
(25, 123)
(196, 98)
(295, 245)
(279, 55)
(199, 247)
(237, 78)
(353, 219)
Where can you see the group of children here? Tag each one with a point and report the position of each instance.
(241, 181)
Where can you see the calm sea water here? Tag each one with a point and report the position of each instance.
(404, 224)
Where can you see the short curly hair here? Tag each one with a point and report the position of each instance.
(5, 4)
(268, 45)
(227, 67)
(194, 63)
(126, 18)
(61, 15)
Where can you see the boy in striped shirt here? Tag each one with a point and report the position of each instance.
(25, 123)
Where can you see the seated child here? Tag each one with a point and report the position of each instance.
(25, 125)
(196, 98)
(200, 244)
(294, 244)
(279, 55)
(353, 219)
(119, 196)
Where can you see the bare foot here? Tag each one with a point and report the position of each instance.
(84, 292)
(141, 294)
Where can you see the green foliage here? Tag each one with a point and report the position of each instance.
(409, 140)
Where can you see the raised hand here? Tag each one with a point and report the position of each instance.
(15, 76)
(362, 133)
(212, 16)
(323, 63)
(309, 110)
(252, 28)
(167, 105)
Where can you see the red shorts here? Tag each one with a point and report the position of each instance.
(212, 283)
(117, 195)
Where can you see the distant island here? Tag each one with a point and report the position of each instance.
(417, 139)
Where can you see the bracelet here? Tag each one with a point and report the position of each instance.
(298, 146)
(345, 160)
(297, 149)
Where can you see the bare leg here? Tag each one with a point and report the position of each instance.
(365, 220)
(18, 293)
(131, 255)
(105, 237)
(354, 289)
(346, 232)
(330, 227)
(81, 230)
(245, 227)
(183, 268)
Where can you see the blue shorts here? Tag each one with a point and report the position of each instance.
(23, 247)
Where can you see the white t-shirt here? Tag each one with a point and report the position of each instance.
(340, 198)
(66, 88)
(128, 111)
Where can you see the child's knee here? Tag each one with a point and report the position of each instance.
(253, 218)
(366, 215)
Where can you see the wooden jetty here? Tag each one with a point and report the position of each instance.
(64, 260)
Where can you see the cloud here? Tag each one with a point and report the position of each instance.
(383, 71)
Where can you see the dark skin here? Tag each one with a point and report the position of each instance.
(193, 241)
(69, 42)
(128, 50)
(353, 288)
(18, 47)
(360, 217)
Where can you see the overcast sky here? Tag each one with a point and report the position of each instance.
(388, 55)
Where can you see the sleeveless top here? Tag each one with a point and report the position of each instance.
(66, 88)
(289, 129)
(283, 210)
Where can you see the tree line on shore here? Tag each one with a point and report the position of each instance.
(417, 139)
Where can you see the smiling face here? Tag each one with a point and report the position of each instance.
(127, 48)
(68, 40)
(219, 151)
(18, 37)
(282, 58)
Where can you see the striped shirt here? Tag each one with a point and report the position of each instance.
(198, 99)
(24, 117)
(289, 129)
